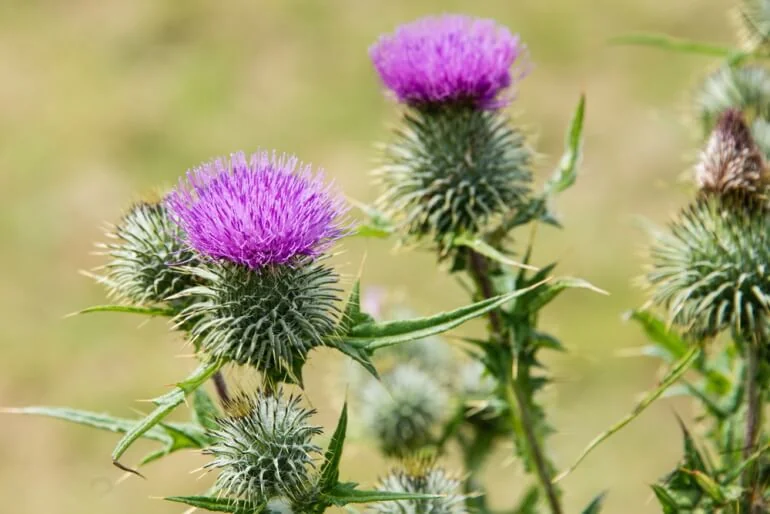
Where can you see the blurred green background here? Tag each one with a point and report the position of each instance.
(103, 100)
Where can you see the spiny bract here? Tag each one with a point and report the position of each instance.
(451, 170)
(746, 88)
(263, 449)
(710, 271)
(268, 318)
(146, 253)
(426, 479)
(403, 411)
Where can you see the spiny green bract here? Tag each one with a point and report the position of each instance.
(404, 411)
(746, 88)
(754, 24)
(710, 271)
(268, 318)
(145, 254)
(428, 480)
(263, 449)
(450, 169)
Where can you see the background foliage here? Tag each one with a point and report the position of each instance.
(99, 100)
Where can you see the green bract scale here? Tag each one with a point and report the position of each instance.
(451, 169)
(424, 479)
(268, 318)
(146, 252)
(404, 411)
(263, 450)
(711, 271)
(745, 88)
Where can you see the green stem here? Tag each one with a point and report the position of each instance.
(754, 403)
(479, 268)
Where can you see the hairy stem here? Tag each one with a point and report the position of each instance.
(221, 387)
(754, 402)
(479, 268)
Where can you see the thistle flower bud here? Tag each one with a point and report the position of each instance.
(745, 88)
(731, 163)
(455, 163)
(263, 450)
(145, 254)
(262, 229)
(404, 411)
(710, 270)
(423, 478)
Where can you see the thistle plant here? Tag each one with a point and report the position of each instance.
(238, 258)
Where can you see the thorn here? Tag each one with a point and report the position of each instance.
(127, 469)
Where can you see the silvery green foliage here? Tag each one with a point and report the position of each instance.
(746, 88)
(264, 449)
(268, 318)
(145, 254)
(429, 480)
(451, 169)
(404, 411)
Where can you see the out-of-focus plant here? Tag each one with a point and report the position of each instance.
(237, 258)
(709, 284)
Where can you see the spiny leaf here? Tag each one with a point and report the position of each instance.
(218, 504)
(708, 485)
(566, 174)
(165, 404)
(204, 410)
(554, 288)
(489, 251)
(676, 371)
(330, 472)
(131, 309)
(665, 42)
(375, 335)
(665, 499)
(596, 505)
(344, 494)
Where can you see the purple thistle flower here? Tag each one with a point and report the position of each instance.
(448, 58)
(264, 210)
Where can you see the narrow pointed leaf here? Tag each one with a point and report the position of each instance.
(214, 504)
(708, 485)
(667, 502)
(376, 335)
(555, 287)
(566, 173)
(666, 42)
(131, 309)
(596, 505)
(344, 494)
(165, 404)
(674, 373)
(205, 412)
(330, 472)
(482, 247)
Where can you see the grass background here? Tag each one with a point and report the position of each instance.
(101, 101)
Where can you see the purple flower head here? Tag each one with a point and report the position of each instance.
(264, 210)
(448, 58)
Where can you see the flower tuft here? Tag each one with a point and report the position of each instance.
(145, 252)
(731, 162)
(404, 411)
(449, 58)
(422, 478)
(258, 210)
(264, 450)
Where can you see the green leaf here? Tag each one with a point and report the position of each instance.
(596, 505)
(666, 42)
(330, 472)
(669, 504)
(708, 485)
(566, 173)
(548, 292)
(204, 410)
(657, 331)
(378, 225)
(676, 372)
(92, 419)
(489, 251)
(375, 335)
(131, 309)
(528, 504)
(353, 316)
(165, 404)
(373, 231)
(218, 504)
(344, 494)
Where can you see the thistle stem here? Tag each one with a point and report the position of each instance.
(754, 402)
(221, 387)
(479, 268)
